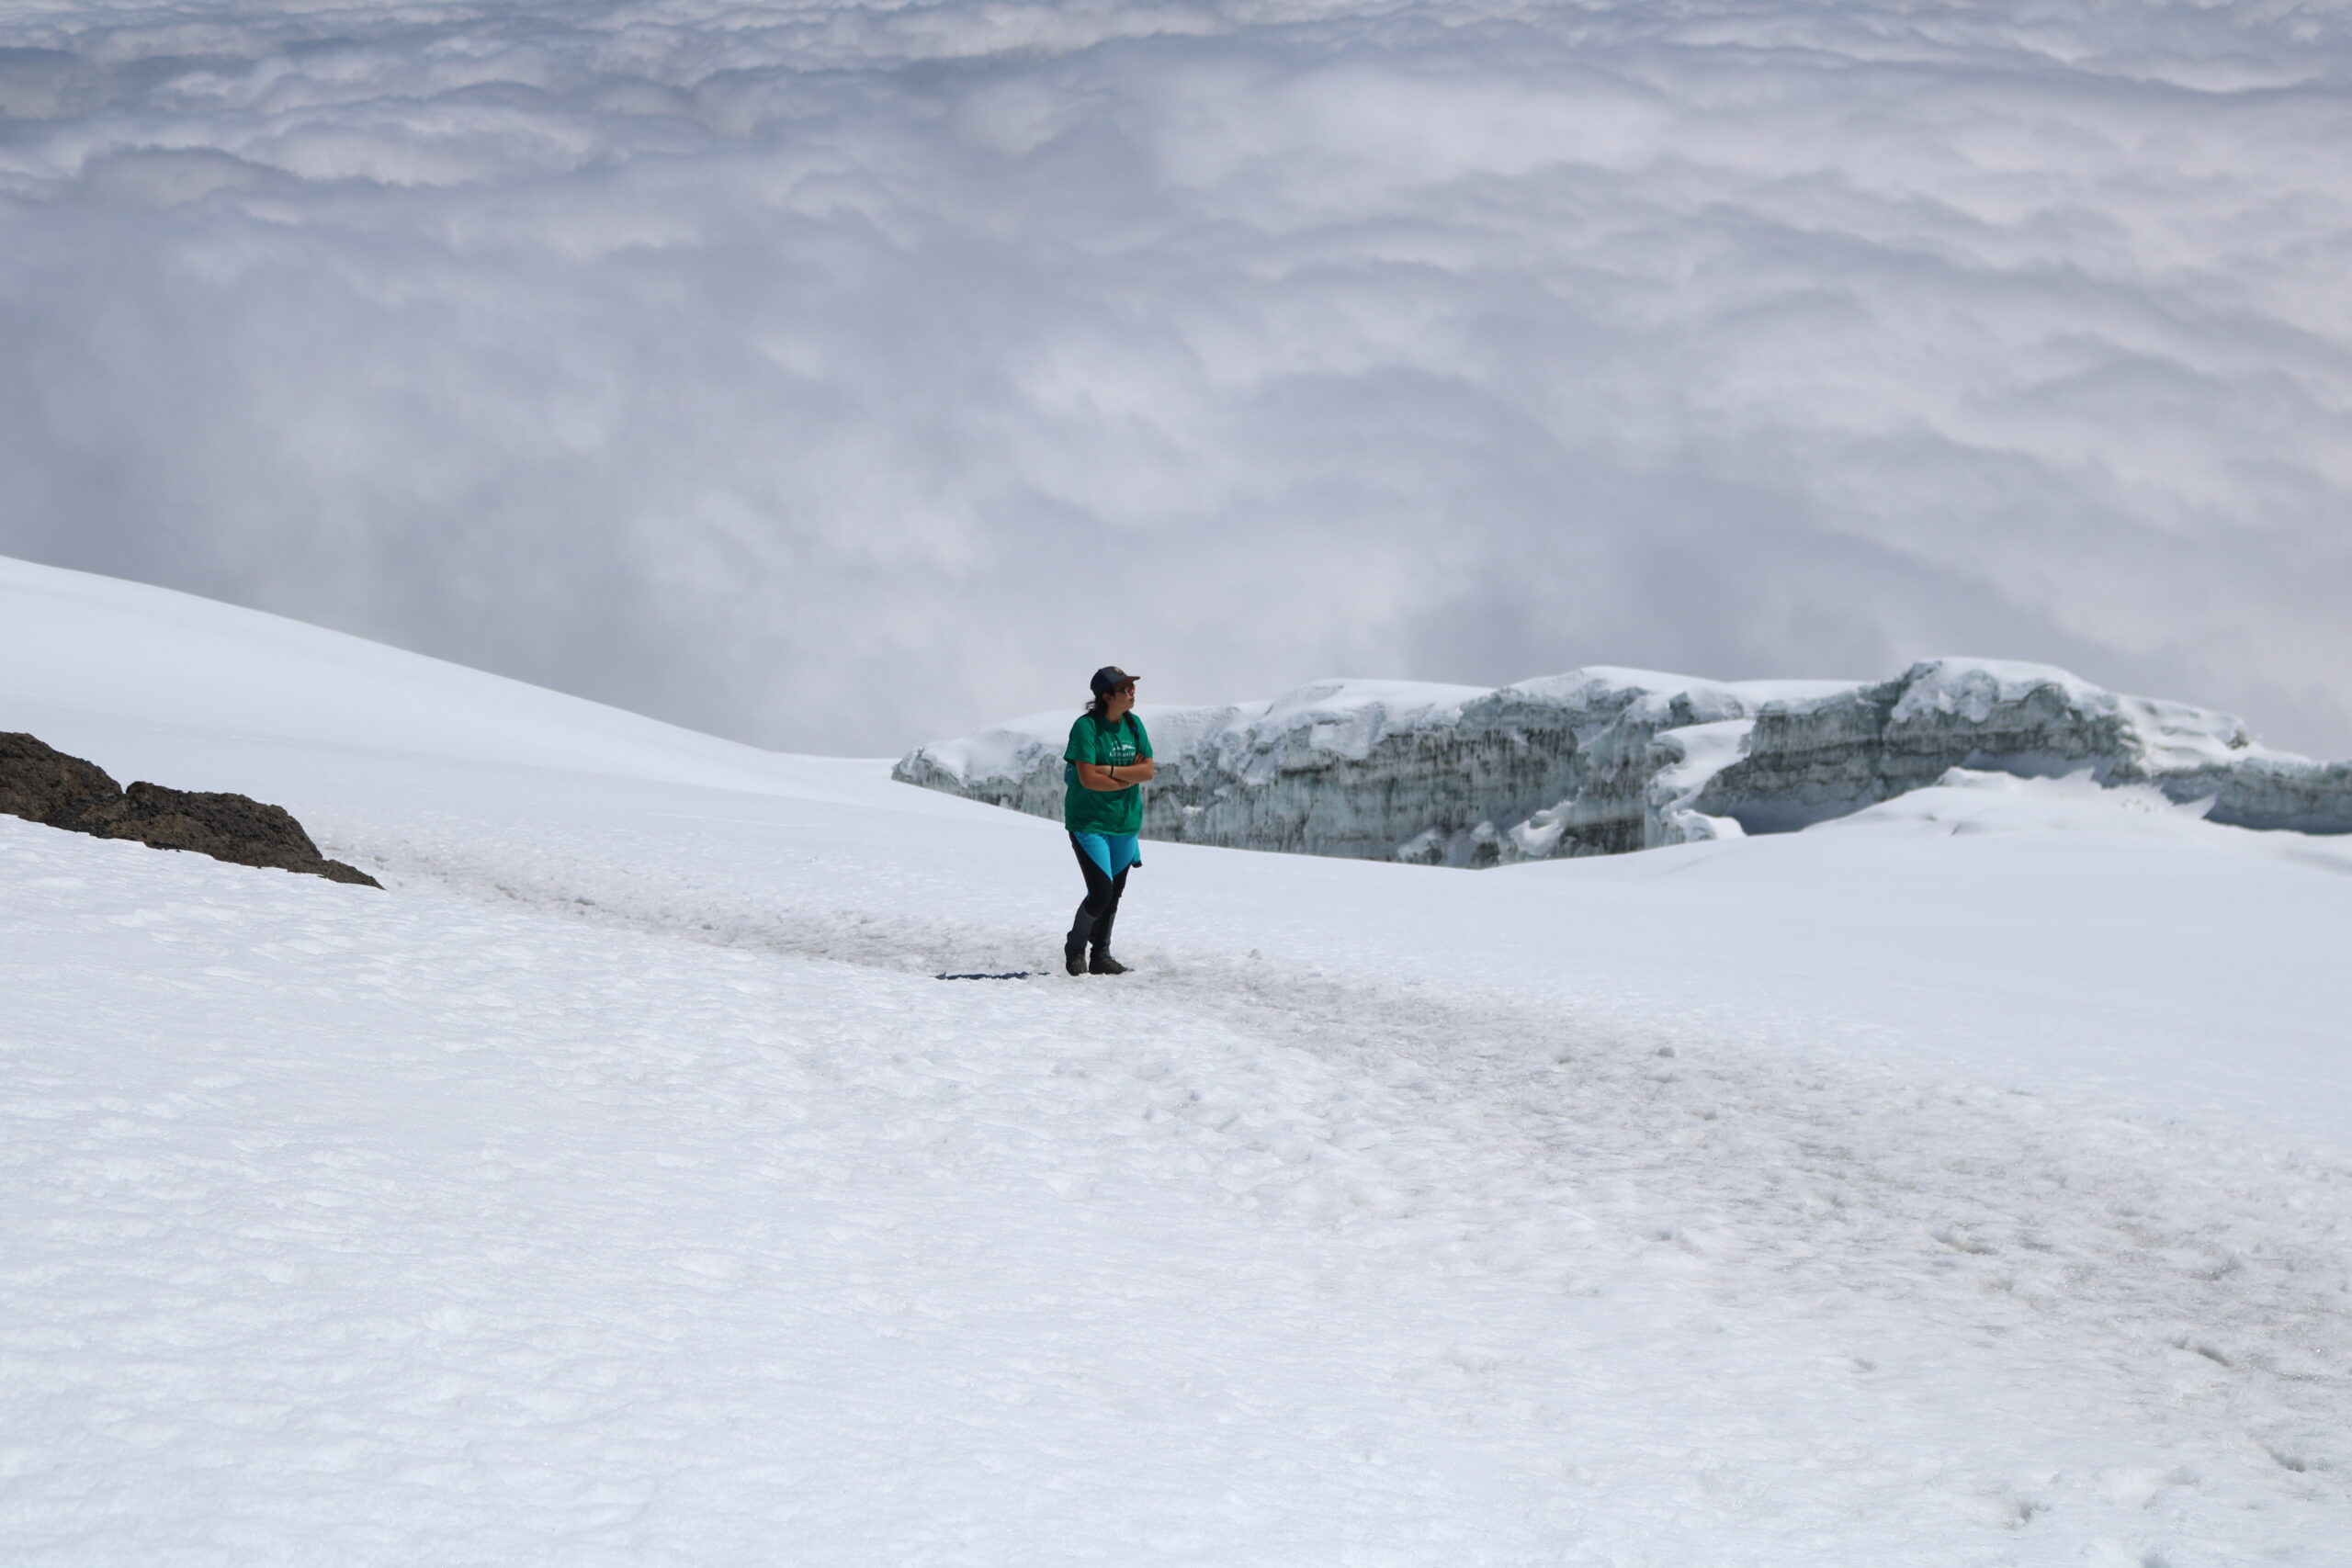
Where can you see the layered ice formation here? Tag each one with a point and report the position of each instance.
(1604, 760)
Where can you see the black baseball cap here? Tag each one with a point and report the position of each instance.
(1109, 679)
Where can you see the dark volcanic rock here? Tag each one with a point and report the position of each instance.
(233, 827)
(46, 785)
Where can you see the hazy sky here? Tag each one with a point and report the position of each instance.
(837, 377)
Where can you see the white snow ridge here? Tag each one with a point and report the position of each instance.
(1964, 1179)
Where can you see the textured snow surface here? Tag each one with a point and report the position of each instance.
(1963, 1182)
(1607, 760)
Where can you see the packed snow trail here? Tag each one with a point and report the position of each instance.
(356, 1228)
(1965, 1186)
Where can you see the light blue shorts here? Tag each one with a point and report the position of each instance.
(1112, 851)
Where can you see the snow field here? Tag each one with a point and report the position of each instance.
(1966, 1183)
(415, 1228)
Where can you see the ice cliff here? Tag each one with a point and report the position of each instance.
(1604, 760)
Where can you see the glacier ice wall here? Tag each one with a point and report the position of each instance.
(1605, 761)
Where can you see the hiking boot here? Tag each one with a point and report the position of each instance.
(1105, 964)
(1074, 955)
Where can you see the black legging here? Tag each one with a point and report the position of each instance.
(1101, 906)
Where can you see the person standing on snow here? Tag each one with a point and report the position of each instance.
(1108, 756)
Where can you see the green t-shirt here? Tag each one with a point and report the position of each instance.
(1088, 811)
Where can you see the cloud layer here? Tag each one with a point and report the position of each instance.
(835, 376)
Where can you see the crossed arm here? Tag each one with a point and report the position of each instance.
(1095, 775)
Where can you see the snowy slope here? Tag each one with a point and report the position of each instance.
(91, 648)
(1966, 1181)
